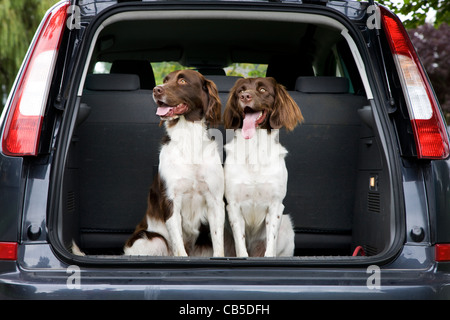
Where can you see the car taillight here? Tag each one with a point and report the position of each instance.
(8, 250)
(442, 252)
(430, 132)
(23, 125)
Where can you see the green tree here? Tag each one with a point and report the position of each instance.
(161, 69)
(416, 11)
(246, 70)
(19, 20)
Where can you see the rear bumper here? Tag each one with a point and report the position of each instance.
(413, 275)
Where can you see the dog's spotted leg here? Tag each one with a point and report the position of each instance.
(216, 219)
(273, 221)
(175, 231)
(237, 223)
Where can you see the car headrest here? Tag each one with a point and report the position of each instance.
(223, 83)
(142, 68)
(112, 82)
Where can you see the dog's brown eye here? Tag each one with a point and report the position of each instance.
(262, 90)
(182, 81)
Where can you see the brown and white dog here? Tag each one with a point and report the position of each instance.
(187, 194)
(255, 170)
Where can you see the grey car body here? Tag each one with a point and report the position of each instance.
(412, 218)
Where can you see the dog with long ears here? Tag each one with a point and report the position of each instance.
(255, 170)
(186, 197)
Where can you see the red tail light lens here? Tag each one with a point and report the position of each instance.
(23, 125)
(442, 252)
(430, 131)
(8, 251)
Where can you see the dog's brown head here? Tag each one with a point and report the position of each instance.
(260, 103)
(187, 93)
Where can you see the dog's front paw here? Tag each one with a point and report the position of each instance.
(242, 253)
(219, 253)
(180, 253)
(269, 254)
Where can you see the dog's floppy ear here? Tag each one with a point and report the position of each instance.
(214, 106)
(232, 116)
(286, 111)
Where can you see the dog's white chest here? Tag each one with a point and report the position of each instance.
(255, 186)
(191, 167)
(188, 151)
(255, 169)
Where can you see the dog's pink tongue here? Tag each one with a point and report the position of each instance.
(162, 111)
(249, 126)
(170, 111)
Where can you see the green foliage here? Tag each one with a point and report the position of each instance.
(247, 70)
(161, 69)
(417, 11)
(19, 20)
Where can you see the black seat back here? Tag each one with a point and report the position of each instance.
(117, 150)
(322, 162)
